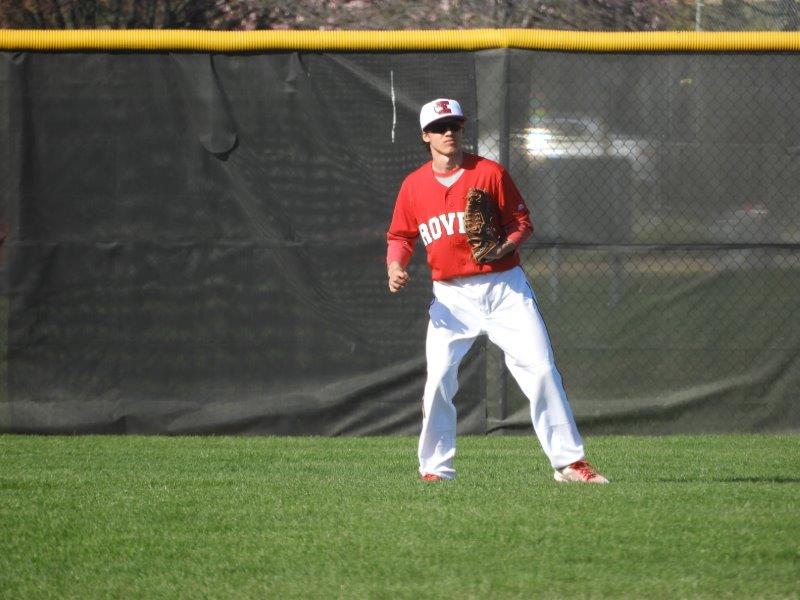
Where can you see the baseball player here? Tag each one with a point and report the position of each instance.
(470, 297)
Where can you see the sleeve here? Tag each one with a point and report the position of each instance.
(403, 231)
(514, 214)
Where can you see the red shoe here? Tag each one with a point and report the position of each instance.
(431, 477)
(579, 471)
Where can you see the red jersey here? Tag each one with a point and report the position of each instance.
(433, 212)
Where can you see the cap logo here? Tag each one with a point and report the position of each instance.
(442, 107)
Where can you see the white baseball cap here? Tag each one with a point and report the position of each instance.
(441, 108)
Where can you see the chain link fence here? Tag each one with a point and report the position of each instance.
(664, 195)
(197, 242)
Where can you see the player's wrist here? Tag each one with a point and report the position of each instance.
(394, 266)
(505, 248)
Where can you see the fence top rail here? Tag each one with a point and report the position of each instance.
(184, 40)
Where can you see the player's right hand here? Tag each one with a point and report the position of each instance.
(398, 277)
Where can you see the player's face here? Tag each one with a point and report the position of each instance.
(445, 136)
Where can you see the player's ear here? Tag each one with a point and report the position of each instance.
(426, 137)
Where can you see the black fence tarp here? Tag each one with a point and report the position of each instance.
(197, 241)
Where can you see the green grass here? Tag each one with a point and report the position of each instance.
(222, 517)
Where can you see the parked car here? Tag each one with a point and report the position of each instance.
(554, 137)
(750, 223)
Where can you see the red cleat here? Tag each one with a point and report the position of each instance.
(580, 471)
(431, 477)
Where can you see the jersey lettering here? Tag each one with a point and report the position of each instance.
(447, 221)
(423, 233)
(433, 229)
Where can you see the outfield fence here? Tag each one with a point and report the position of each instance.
(196, 227)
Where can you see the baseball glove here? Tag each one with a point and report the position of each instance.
(482, 224)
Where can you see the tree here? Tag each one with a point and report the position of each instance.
(455, 14)
(107, 14)
(591, 15)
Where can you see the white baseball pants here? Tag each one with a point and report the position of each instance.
(503, 306)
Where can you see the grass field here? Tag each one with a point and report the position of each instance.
(225, 517)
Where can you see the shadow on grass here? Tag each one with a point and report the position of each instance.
(734, 480)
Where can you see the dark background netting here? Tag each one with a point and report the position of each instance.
(197, 242)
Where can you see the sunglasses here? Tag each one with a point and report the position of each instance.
(443, 126)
